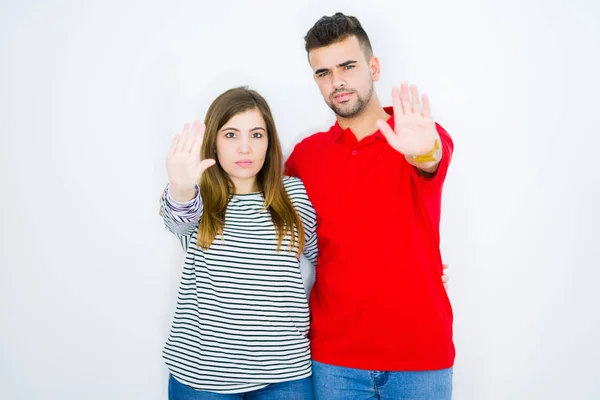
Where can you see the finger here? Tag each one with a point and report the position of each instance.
(199, 128)
(397, 103)
(415, 100)
(174, 144)
(445, 278)
(204, 165)
(209, 162)
(183, 137)
(404, 98)
(426, 106)
(386, 130)
(195, 126)
(192, 138)
(199, 134)
(185, 133)
(444, 266)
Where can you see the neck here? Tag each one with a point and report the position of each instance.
(365, 123)
(245, 186)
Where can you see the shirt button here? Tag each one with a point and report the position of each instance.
(353, 152)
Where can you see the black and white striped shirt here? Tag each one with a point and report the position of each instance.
(242, 317)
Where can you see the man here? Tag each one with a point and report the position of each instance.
(381, 319)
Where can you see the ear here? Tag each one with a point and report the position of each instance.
(375, 68)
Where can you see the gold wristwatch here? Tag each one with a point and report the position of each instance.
(429, 156)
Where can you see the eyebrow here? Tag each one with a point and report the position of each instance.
(345, 63)
(237, 130)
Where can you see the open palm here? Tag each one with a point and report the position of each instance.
(414, 132)
(184, 166)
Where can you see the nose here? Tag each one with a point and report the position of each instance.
(337, 81)
(244, 145)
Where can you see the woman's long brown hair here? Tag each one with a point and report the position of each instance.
(216, 188)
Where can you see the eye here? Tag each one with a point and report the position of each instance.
(257, 135)
(229, 135)
(322, 74)
(348, 66)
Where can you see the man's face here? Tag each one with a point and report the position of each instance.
(344, 76)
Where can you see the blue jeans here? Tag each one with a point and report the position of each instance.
(341, 383)
(300, 389)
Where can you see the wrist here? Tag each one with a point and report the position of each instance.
(182, 194)
(432, 156)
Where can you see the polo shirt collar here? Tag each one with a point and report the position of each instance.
(337, 130)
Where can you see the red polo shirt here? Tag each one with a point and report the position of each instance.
(378, 301)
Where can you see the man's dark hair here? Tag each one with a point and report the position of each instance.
(334, 29)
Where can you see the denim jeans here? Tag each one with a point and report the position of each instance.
(300, 389)
(341, 383)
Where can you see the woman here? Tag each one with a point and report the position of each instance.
(241, 325)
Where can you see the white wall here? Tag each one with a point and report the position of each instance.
(91, 93)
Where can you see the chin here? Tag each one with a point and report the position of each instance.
(246, 174)
(347, 105)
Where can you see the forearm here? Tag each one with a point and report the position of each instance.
(182, 195)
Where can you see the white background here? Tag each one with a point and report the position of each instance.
(91, 93)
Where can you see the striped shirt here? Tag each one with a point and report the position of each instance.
(242, 317)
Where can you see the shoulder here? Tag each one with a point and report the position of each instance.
(307, 150)
(315, 140)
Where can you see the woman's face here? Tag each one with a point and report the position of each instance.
(242, 145)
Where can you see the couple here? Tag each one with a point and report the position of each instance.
(362, 202)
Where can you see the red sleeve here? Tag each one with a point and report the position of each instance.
(430, 187)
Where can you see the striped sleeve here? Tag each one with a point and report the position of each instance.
(305, 209)
(181, 218)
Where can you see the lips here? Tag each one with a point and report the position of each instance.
(244, 163)
(342, 96)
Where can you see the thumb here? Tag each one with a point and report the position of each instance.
(386, 130)
(204, 165)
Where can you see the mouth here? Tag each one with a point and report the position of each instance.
(340, 97)
(244, 163)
